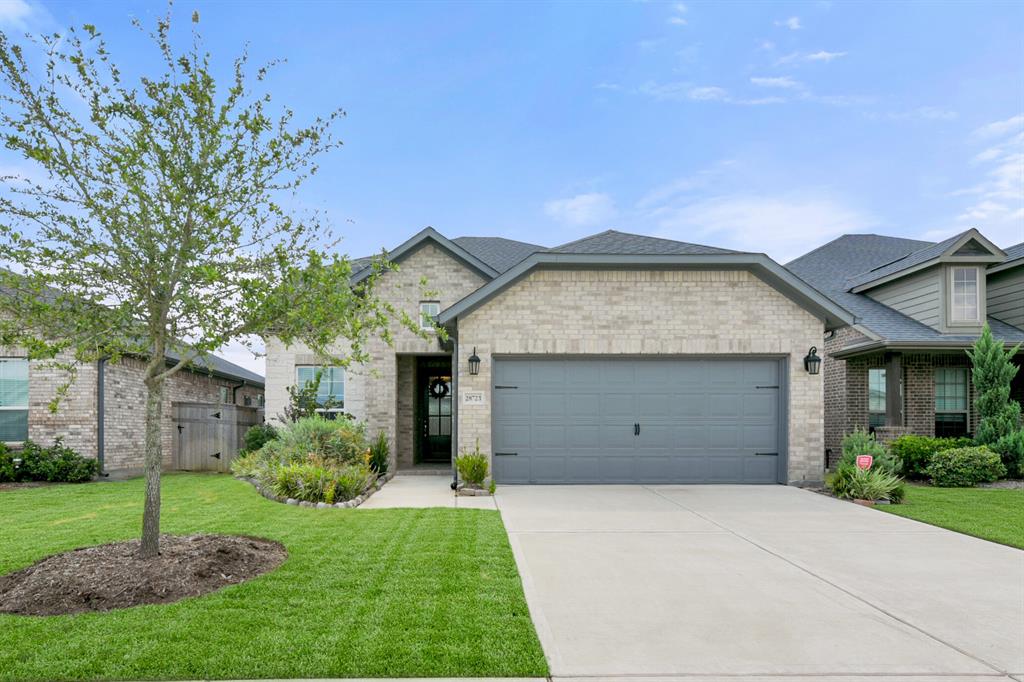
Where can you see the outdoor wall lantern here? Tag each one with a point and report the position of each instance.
(474, 363)
(812, 363)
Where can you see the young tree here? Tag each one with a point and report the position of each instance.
(993, 371)
(159, 217)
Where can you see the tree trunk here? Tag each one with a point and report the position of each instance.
(154, 460)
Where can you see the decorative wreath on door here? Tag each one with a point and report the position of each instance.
(438, 388)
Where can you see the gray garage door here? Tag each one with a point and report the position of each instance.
(636, 421)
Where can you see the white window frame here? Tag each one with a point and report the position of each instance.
(340, 408)
(18, 407)
(426, 317)
(885, 396)
(953, 318)
(224, 394)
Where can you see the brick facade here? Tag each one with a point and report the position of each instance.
(682, 312)
(75, 420)
(372, 392)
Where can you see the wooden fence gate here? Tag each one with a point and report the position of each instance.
(207, 436)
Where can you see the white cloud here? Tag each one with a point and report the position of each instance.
(920, 113)
(708, 93)
(681, 91)
(1000, 128)
(680, 7)
(677, 21)
(581, 210)
(824, 56)
(995, 203)
(793, 23)
(15, 13)
(783, 227)
(607, 86)
(767, 45)
(776, 82)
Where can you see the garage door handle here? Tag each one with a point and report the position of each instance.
(766, 387)
(767, 454)
(506, 454)
(506, 387)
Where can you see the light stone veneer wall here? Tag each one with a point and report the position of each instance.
(371, 390)
(692, 312)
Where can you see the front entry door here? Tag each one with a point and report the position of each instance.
(435, 409)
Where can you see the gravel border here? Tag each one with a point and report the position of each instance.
(355, 502)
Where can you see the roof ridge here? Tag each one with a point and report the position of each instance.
(582, 239)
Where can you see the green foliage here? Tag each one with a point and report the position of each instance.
(259, 435)
(472, 466)
(851, 482)
(320, 481)
(493, 487)
(860, 442)
(965, 467)
(993, 371)
(303, 401)
(6, 464)
(159, 217)
(915, 452)
(55, 464)
(1011, 449)
(313, 459)
(379, 454)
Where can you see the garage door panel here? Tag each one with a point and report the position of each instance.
(701, 420)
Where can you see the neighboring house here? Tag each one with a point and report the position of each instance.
(616, 358)
(901, 368)
(103, 414)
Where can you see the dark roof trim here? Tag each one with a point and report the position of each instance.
(413, 244)
(860, 283)
(875, 346)
(761, 265)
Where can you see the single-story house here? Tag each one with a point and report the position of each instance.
(616, 358)
(901, 367)
(103, 413)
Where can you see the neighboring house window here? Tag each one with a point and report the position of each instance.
(332, 386)
(965, 305)
(259, 400)
(13, 400)
(224, 394)
(247, 400)
(951, 402)
(428, 311)
(876, 398)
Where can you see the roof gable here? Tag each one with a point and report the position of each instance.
(413, 244)
(498, 252)
(970, 246)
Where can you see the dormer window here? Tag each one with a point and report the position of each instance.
(965, 305)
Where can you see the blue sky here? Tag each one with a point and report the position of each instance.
(758, 126)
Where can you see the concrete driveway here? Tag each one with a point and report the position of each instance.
(726, 581)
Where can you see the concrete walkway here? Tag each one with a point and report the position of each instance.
(727, 582)
(415, 491)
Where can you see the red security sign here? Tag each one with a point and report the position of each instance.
(865, 461)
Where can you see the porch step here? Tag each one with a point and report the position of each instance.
(426, 470)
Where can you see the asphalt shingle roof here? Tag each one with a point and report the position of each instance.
(830, 267)
(498, 252)
(613, 242)
(1015, 252)
(898, 263)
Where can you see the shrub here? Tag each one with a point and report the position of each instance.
(860, 442)
(56, 464)
(379, 451)
(320, 481)
(965, 467)
(851, 482)
(259, 435)
(915, 452)
(1011, 449)
(343, 440)
(992, 373)
(247, 464)
(472, 466)
(6, 464)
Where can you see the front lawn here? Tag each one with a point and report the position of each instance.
(989, 513)
(399, 593)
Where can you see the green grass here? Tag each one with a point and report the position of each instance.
(402, 593)
(988, 513)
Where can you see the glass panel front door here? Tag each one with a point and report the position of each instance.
(435, 411)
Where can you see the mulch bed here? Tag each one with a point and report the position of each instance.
(114, 577)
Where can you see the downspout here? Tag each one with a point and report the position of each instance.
(234, 391)
(455, 406)
(101, 366)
